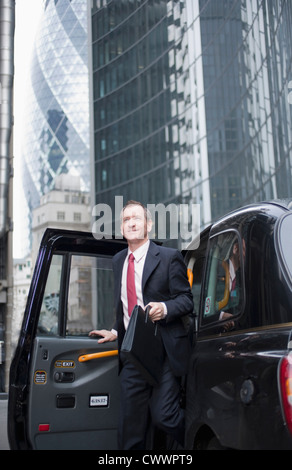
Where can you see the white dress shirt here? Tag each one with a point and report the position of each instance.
(232, 275)
(139, 256)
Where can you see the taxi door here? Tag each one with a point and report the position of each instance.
(64, 390)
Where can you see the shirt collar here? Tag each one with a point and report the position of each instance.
(140, 252)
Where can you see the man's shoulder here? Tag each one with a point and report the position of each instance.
(164, 250)
(121, 254)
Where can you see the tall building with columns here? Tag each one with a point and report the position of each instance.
(191, 102)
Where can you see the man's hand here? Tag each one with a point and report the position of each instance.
(157, 311)
(106, 335)
(230, 324)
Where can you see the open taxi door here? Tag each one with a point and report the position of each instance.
(63, 390)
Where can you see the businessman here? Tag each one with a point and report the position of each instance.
(161, 283)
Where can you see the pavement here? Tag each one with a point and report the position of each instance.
(4, 445)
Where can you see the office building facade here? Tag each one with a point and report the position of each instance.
(191, 102)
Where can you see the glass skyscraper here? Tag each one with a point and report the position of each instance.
(191, 101)
(135, 99)
(56, 128)
(246, 52)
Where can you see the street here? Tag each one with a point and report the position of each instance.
(3, 424)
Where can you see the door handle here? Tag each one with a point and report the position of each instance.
(64, 377)
(97, 355)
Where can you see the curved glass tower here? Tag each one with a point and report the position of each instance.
(191, 101)
(56, 131)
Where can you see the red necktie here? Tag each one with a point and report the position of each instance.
(131, 289)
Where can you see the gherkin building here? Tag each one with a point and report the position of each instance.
(56, 122)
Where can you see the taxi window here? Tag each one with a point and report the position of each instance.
(78, 296)
(285, 231)
(49, 315)
(223, 291)
(90, 297)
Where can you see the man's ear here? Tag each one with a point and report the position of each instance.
(235, 248)
(149, 225)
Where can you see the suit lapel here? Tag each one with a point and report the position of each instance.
(119, 270)
(151, 261)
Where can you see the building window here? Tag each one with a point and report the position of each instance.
(60, 215)
(77, 216)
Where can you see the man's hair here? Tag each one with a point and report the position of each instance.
(131, 202)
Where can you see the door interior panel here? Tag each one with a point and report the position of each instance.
(74, 405)
(57, 401)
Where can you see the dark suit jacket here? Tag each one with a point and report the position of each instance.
(164, 280)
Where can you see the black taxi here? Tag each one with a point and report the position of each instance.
(239, 384)
(63, 390)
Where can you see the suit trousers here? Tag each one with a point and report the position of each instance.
(143, 406)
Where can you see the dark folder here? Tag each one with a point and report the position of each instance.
(142, 345)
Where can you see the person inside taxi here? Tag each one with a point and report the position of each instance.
(234, 264)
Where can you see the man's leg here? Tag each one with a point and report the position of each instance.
(134, 409)
(165, 407)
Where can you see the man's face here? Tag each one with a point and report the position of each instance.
(134, 225)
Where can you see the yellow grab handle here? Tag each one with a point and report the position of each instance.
(222, 303)
(89, 357)
(190, 277)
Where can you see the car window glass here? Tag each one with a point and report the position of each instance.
(48, 320)
(223, 293)
(80, 296)
(90, 297)
(197, 282)
(285, 242)
(195, 266)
